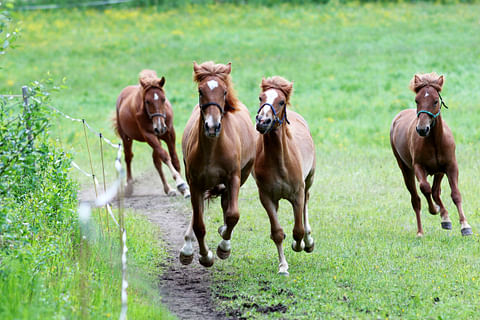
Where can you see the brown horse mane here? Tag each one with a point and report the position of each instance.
(148, 79)
(427, 79)
(221, 71)
(278, 83)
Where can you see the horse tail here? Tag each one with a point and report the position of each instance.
(115, 124)
(215, 192)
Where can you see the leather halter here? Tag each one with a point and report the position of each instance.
(276, 119)
(156, 114)
(208, 104)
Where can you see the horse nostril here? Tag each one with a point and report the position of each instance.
(268, 121)
(156, 130)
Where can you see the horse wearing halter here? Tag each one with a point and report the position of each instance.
(434, 116)
(276, 119)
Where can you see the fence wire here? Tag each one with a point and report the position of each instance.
(105, 199)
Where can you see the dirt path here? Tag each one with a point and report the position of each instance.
(185, 290)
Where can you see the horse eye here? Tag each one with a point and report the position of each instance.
(416, 101)
(281, 103)
(200, 93)
(260, 99)
(225, 93)
(435, 102)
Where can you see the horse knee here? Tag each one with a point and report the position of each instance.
(277, 235)
(231, 218)
(425, 188)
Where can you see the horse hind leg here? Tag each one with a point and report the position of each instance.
(436, 191)
(298, 243)
(452, 175)
(308, 239)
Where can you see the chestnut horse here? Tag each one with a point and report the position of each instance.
(423, 145)
(145, 114)
(219, 149)
(284, 164)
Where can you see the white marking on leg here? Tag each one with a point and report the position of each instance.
(225, 245)
(178, 179)
(155, 96)
(212, 84)
(426, 94)
(283, 265)
(187, 248)
(465, 225)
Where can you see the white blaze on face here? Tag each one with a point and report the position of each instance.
(271, 94)
(212, 84)
(210, 121)
(155, 96)
(426, 94)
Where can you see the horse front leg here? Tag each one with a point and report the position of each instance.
(174, 165)
(436, 191)
(160, 155)
(452, 175)
(230, 217)
(298, 205)
(276, 231)
(421, 175)
(127, 150)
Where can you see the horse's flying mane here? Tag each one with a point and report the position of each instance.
(278, 83)
(426, 79)
(221, 71)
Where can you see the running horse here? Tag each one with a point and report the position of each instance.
(145, 114)
(218, 147)
(423, 145)
(284, 164)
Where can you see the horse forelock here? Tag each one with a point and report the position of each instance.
(423, 80)
(278, 83)
(208, 70)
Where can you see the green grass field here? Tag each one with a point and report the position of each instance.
(351, 65)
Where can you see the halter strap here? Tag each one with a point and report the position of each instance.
(432, 114)
(156, 114)
(276, 119)
(208, 104)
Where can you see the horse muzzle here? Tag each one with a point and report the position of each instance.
(213, 131)
(264, 125)
(423, 131)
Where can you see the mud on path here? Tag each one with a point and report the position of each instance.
(185, 290)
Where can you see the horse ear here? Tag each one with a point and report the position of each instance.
(161, 82)
(142, 82)
(440, 81)
(229, 68)
(196, 68)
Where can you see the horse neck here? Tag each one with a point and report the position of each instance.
(275, 145)
(437, 130)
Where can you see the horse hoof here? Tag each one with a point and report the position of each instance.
(222, 254)
(171, 193)
(467, 232)
(298, 248)
(185, 260)
(283, 273)
(309, 249)
(128, 190)
(207, 261)
(447, 225)
(186, 195)
(182, 187)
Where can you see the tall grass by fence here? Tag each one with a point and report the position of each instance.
(29, 124)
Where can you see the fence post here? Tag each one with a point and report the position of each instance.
(26, 112)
